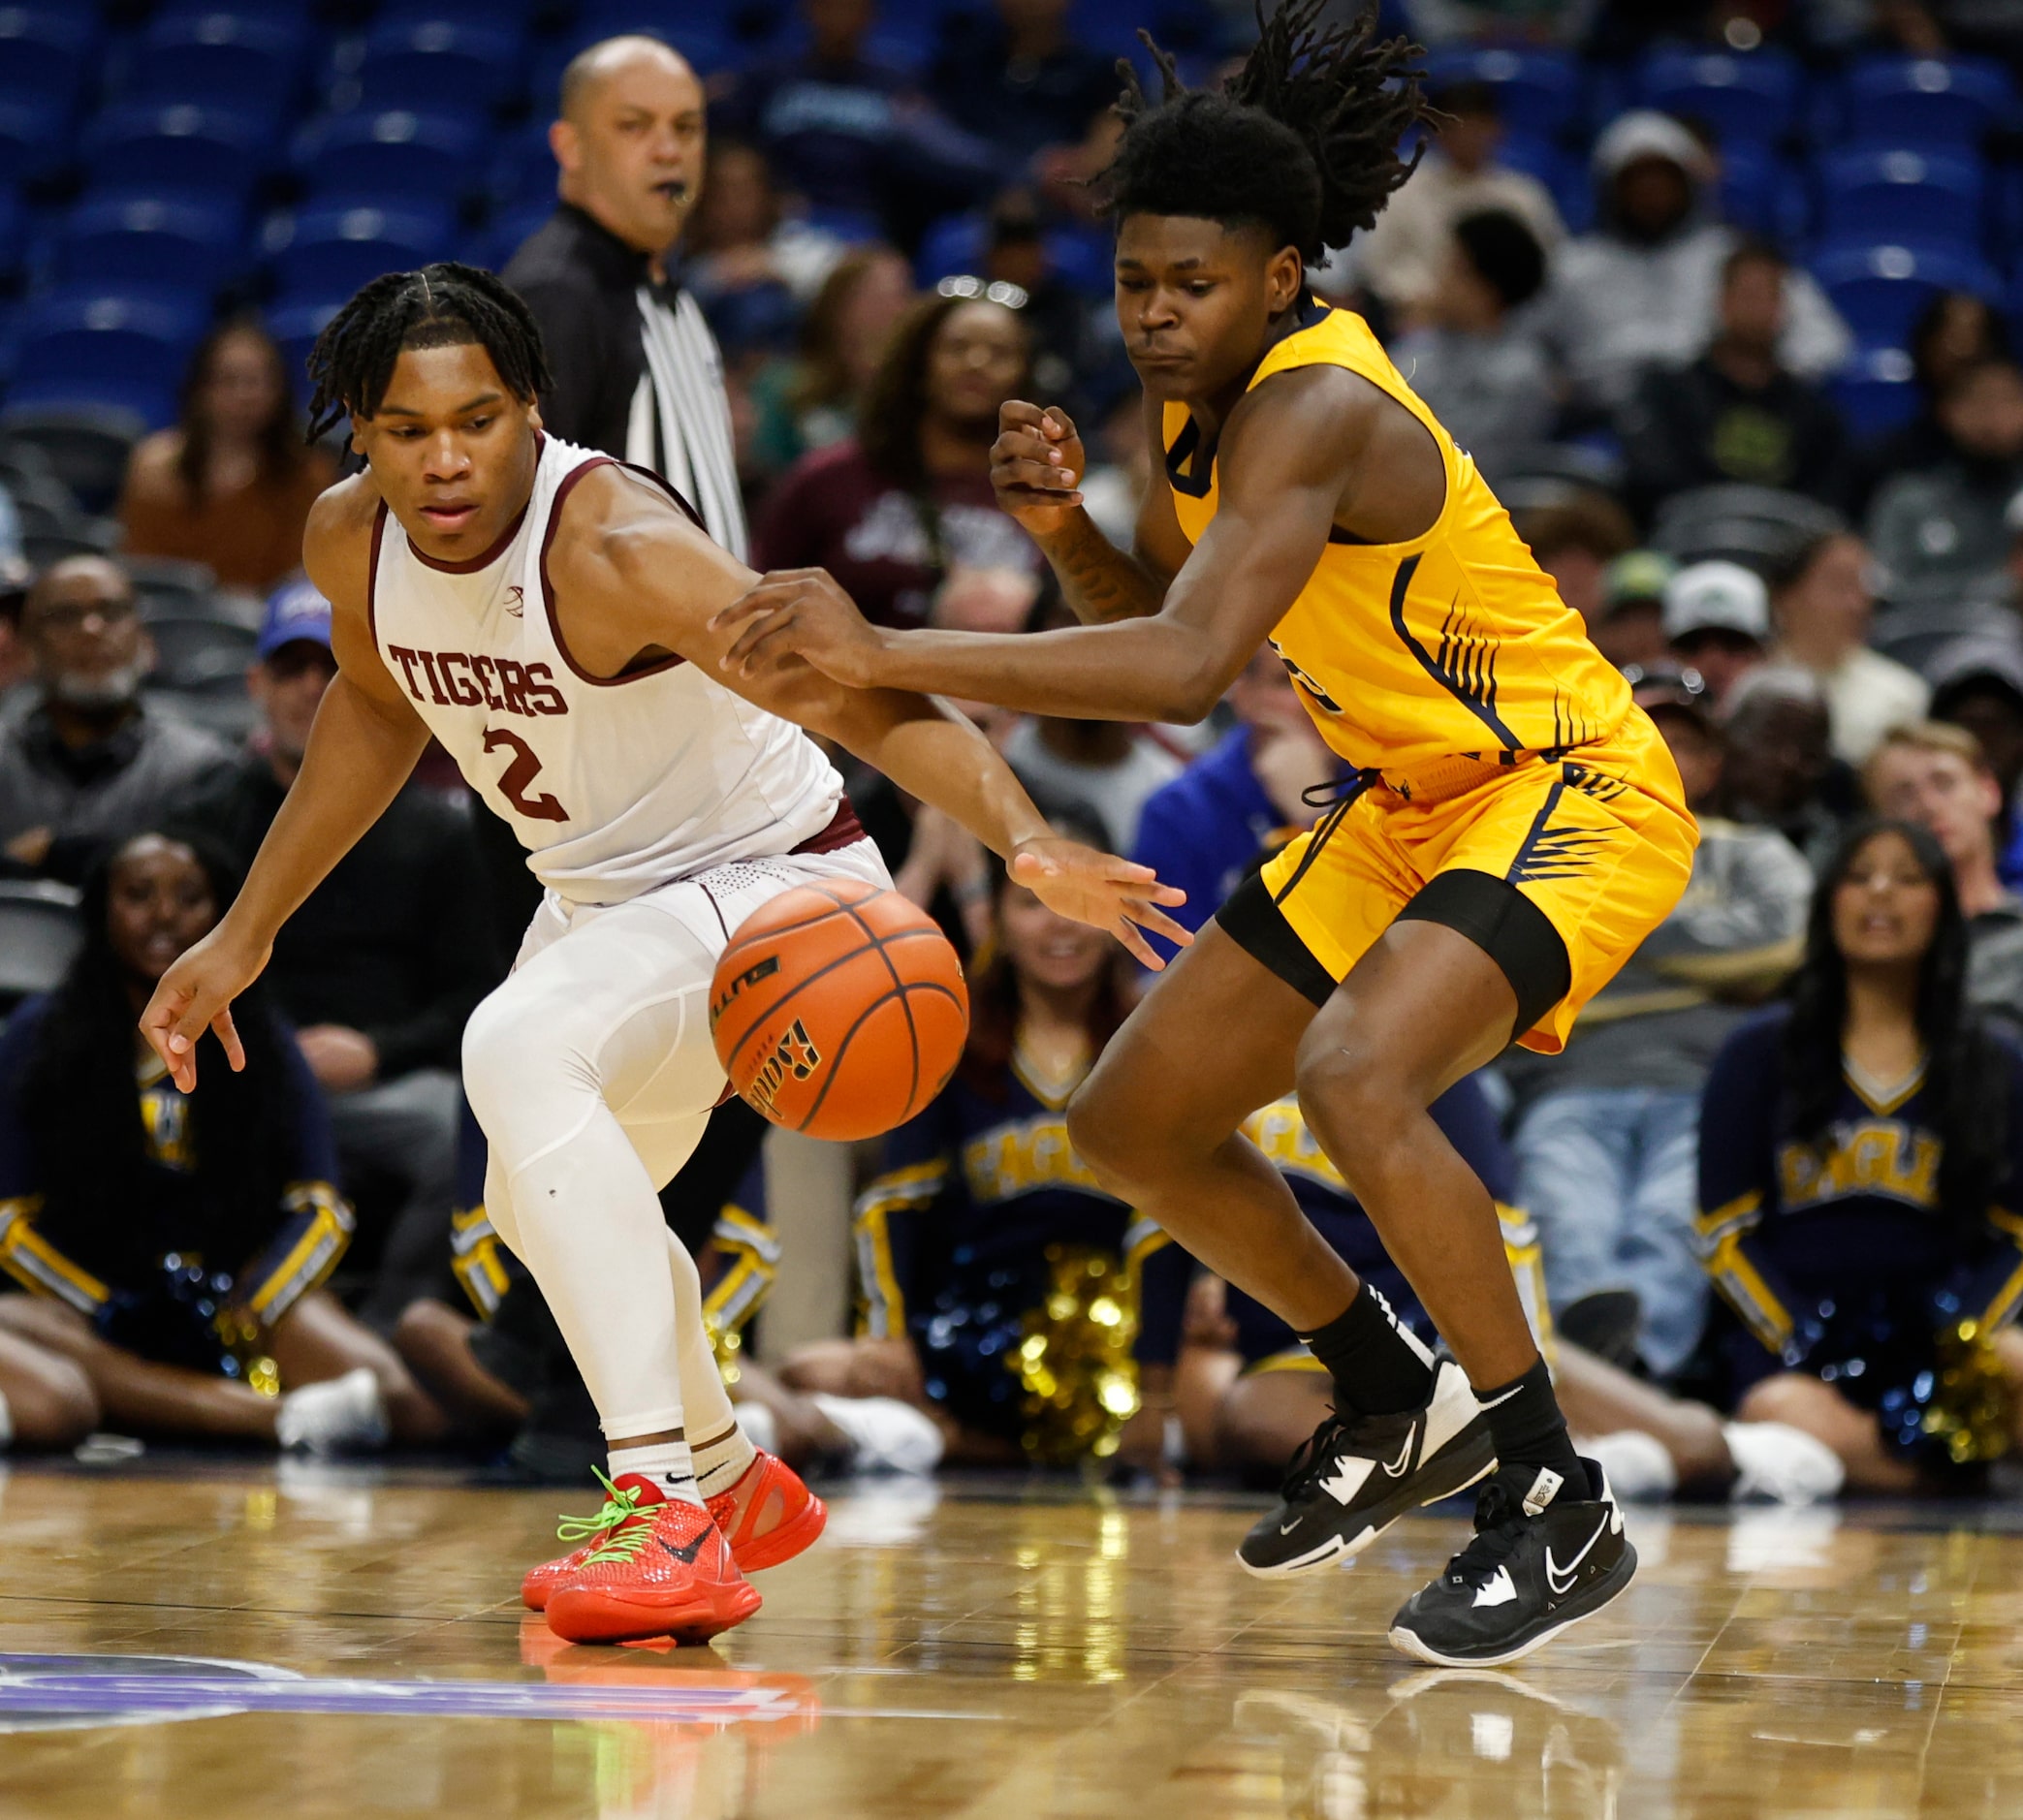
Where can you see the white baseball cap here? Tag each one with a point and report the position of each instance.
(1716, 597)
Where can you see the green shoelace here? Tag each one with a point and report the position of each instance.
(626, 1538)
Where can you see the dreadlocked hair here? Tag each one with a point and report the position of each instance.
(1302, 139)
(444, 305)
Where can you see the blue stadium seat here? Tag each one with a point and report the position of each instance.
(1538, 91)
(121, 241)
(1924, 101)
(44, 51)
(503, 234)
(451, 69)
(515, 16)
(709, 46)
(1877, 391)
(295, 323)
(1565, 176)
(1932, 197)
(1880, 290)
(12, 236)
(181, 146)
(1747, 98)
(86, 347)
(396, 157)
(523, 168)
(219, 57)
(33, 141)
(331, 251)
(1764, 192)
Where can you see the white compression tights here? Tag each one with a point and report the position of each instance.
(592, 1074)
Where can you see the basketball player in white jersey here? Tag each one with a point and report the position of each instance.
(544, 612)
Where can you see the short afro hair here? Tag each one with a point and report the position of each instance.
(1302, 140)
(1505, 252)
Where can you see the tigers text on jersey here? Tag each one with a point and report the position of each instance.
(616, 785)
(1452, 642)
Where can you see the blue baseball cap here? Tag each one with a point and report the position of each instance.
(294, 610)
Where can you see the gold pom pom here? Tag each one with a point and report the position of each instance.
(1074, 1358)
(1970, 1408)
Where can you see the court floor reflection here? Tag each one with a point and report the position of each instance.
(202, 1638)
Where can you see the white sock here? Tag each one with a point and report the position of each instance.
(667, 1463)
(720, 1463)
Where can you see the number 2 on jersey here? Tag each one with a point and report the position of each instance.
(523, 771)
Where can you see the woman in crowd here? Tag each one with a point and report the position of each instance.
(892, 510)
(1861, 1150)
(810, 402)
(231, 484)
(982, 1217)
(174, 1246)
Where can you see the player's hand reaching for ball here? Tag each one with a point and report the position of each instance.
(800, 612)
(1036, 465)
(1101, 889)
(196, 995)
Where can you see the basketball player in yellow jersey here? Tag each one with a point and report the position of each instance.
(1507, 830)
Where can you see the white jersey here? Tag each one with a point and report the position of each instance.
(615, 786)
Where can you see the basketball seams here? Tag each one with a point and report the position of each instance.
(876, 945)
(827, 967)
(902, 991)
(913, 1028)
(869, 1097)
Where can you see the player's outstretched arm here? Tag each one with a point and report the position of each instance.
(640, 579)
(1036, 467)
(365, 744)
(1289, 451)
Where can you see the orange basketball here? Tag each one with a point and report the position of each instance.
(838, 1010)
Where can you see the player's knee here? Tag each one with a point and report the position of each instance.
(1345, 1094)
(1105, 1135)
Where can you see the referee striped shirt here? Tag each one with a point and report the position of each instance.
(636, 372)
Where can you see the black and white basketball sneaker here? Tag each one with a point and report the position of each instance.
(1540, 1560)
(1357, 1475)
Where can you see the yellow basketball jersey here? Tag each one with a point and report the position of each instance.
(1454, 644)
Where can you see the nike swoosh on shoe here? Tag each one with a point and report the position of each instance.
(1559, 1581)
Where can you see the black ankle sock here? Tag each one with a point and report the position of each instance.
(1378, 1372)
(1529, 1431)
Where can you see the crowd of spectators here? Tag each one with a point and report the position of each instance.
(1824, 626)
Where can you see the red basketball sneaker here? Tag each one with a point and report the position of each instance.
(769, 1516)
(622, 1505)
(664, 1571)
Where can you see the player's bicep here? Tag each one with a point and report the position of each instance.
(1279, 474)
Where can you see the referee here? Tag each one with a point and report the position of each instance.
(636, 372)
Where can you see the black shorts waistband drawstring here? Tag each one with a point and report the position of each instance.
(1338, 796)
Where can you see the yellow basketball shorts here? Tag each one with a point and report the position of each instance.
(1558, 866)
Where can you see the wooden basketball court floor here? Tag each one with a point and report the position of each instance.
(246, 1639)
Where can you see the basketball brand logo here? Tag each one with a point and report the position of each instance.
(516, 602)
(795, 1058)
(751, 976)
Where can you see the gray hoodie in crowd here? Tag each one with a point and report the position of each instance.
(1618, 304)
